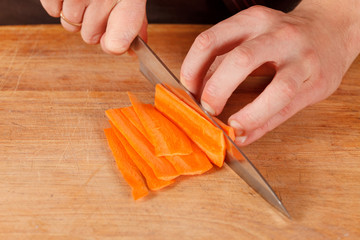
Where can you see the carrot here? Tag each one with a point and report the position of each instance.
(152, 181)
(183, 96)
(227, 129)
(161, 131)
(191, 164)
(161, 167)
(130, 113)
(126, 166)
(194, 163)
(206, 136)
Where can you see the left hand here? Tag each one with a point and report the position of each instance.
(112, 23)
(309, 52)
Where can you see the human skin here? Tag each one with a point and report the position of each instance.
(113, 24)
(310, 48)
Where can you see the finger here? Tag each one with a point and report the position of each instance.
(236, 66)
(73, 11)
(215, 64)
(302, 100)
(142, 34)
(53, 7)
(95, 20)
(216, 41)
(124, 24)
(277, 95)
(143, 30)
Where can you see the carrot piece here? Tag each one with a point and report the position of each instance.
(187, 100)
(206, 136)
(164, 135)
(229, 130)
(195, 163)
(126, 166)
(130, 113)
(182, 164)
(161, 167)
(152, 181)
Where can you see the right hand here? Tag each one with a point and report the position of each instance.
(114, 24)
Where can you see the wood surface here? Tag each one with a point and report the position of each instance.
(57, 175)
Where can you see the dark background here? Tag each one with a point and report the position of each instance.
(18, 12)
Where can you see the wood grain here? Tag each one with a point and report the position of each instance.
(58, 179)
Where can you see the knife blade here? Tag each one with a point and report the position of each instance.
(156, 72)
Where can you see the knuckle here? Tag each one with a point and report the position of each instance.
(186, 74)
(211, 89)
(205, 40)
(267, 127)
(288, 88)
(286, 111)
(261, 12)
(289, 32)
(242, 57)
(251, 120)
(312, 58)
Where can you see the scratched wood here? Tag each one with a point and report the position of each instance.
(58, 179)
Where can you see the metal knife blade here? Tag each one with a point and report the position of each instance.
(157, 72)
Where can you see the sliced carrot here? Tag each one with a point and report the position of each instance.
(195, 163)
(161, 167)
(209, 138)
(152, 181)
(164, 135)
(126, 166)
(182, 164)
(130, 113)
(180, 93)
(229, 130)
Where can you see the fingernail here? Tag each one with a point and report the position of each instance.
(207, 107)
(241, 139)
(237, 127)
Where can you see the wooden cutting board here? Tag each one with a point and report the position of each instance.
(58, 179)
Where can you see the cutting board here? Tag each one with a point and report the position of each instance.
(58, 179)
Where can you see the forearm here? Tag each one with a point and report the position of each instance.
(340, 17)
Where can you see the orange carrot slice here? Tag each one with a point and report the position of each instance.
(130, 113)
(185, 164)
(194, 163)
(126, 166)
(187, 100)
(207, 137)
(161, 167)
(164, 135)
(229, 130)
(152, 181)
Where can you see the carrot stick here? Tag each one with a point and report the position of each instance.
(194, 163)
(206, 136)
(130, 113)
(126, 166)
(164, 135)
(152, 181)
(161, 167)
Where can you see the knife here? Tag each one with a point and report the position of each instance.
(158, 73)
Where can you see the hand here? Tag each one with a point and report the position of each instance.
(310, 50)
(112, 23)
